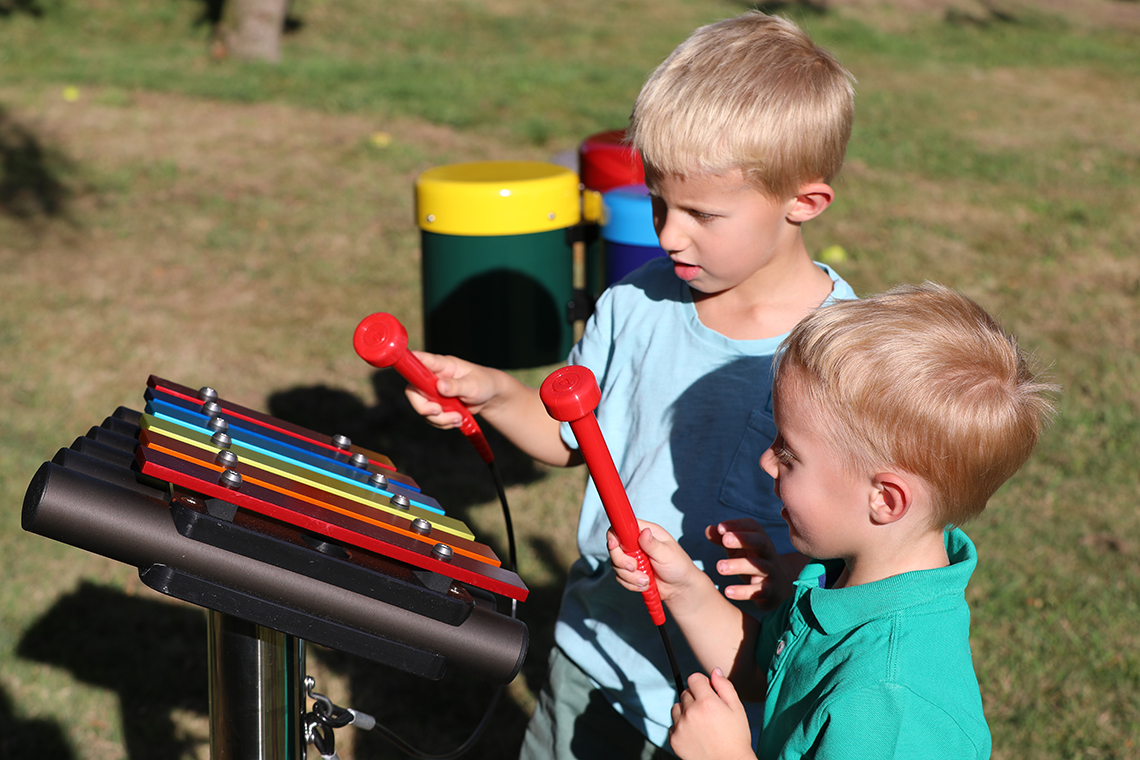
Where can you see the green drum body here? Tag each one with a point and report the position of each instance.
(497, 261)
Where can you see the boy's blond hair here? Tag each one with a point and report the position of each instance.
(752, 93)
(920, 378)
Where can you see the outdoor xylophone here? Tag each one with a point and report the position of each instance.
(306, 534)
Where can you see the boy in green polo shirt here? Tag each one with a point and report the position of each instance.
(898, 418)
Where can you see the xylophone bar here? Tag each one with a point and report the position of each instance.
(350, 512)
(299, 435)
(346, 522)
(225, 526)
(311, 494)
(268, 442)
(290, 468)
(376, 510)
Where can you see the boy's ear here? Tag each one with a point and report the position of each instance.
(811, 201)
(892, 496)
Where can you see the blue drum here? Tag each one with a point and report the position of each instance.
(627, 231)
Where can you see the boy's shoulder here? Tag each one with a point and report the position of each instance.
(840, 289)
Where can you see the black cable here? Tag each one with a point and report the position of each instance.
(677, 680)
(403, 744)
(502, 491)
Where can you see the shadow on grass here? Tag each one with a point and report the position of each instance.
(153, 655)
(433, 716)
(21, 7)
(31, 187)
(40, 739)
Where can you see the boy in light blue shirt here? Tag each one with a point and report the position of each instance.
(741, 129)
(898, 418)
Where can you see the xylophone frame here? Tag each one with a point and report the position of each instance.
(94, 496)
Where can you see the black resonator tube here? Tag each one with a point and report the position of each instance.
(135, 528)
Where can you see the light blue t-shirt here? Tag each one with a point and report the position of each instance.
(686, 413)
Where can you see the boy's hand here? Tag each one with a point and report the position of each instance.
(456, 378)
(751, 554)
(709, 723)
(672, 568)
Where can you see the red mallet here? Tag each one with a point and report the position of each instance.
(382, 341)
(571, 394)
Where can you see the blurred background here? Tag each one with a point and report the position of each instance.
(220, 205)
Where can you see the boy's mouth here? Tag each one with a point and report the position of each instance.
(686, 272)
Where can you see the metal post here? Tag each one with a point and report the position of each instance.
(256, 697)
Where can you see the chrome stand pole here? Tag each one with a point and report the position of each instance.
(256, 697)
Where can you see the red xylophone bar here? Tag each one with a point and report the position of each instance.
(211, 480)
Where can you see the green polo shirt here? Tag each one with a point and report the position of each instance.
(881, 670)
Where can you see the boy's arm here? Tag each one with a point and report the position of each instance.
(720, 635)
(505, 403)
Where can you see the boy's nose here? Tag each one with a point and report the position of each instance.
(667, 234)
(768, 463)
(670, 237)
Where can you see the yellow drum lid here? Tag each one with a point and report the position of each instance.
(497, 198)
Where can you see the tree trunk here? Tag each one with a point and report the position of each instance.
(252, 29)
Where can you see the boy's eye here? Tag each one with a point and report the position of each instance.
(780, 451)
(783, 456)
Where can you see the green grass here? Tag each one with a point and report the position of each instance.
(227, 224)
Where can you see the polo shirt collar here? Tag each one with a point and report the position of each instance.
(837, 610)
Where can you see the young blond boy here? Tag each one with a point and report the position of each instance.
(898, 417)
(741, 129)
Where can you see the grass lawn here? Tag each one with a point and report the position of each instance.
(211, 222)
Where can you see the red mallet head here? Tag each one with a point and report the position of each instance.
(570, 393)
(380, 339)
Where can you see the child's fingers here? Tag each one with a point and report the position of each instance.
(625, 567)
(699, 686)
(764, 596)
(431, 410)
(646, 541)
(724, 689)
(748, 565)
(618, 558)
(742, 536)
(437, 363)
(739, 524)
(657, 542)
(442, 367)
(457, 378)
